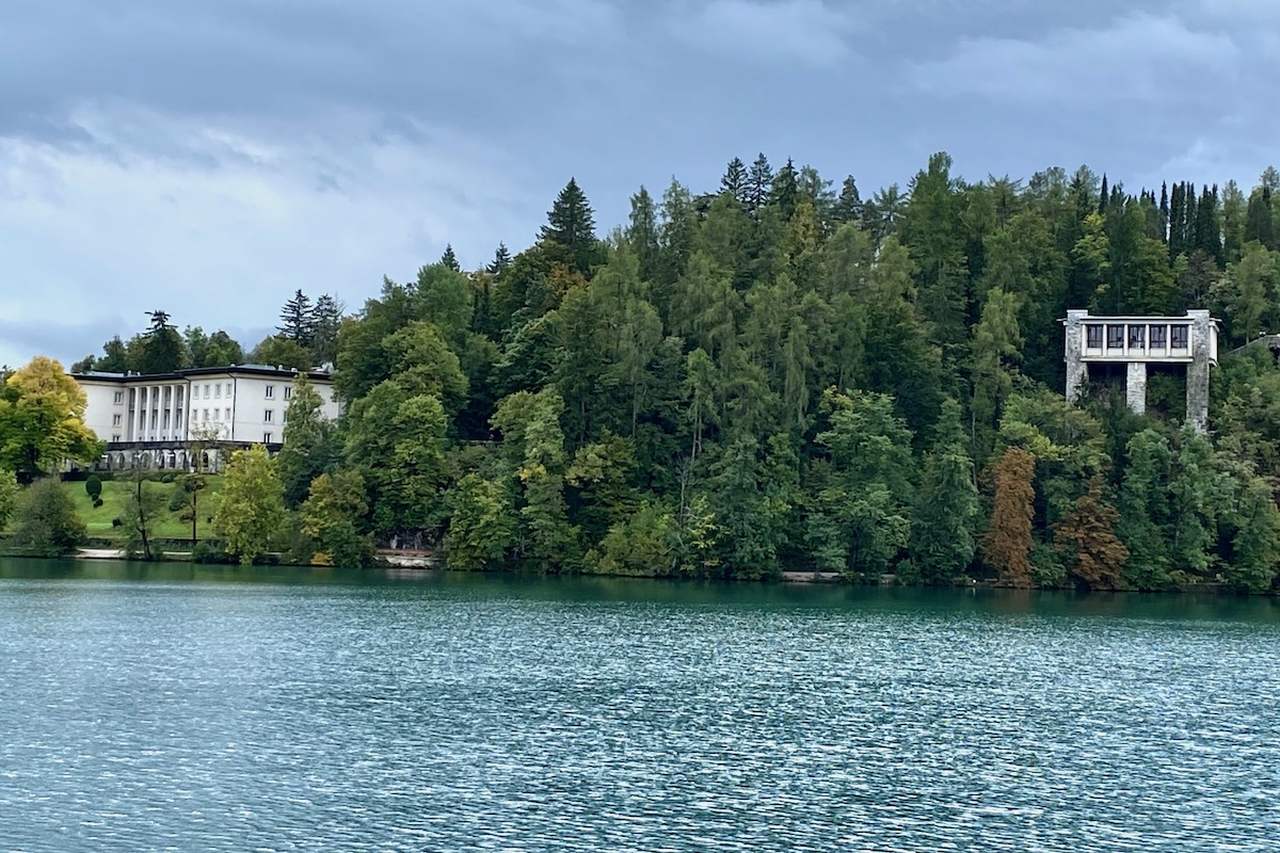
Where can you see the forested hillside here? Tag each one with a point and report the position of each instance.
(781, 374)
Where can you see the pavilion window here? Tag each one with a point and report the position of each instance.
(1115, 337)
(1157, 336)
(1137, 337)
(1178, 337)
(1093, 337)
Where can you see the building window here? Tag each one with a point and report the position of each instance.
(228, 389)
(1093, 337)
(118, 397)
(1115, 337)
(1137, 337)
(215, 414)
(1157, 337)
(115, 420)
(288, 392)
(266, 416)
(284, 416)
(228, 411)
(266, 438)
(270, 392)
(115, 437)
(1178, 337)
(217, 390)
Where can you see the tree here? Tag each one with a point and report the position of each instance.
(1143, 522)
(735, 181)
(45, 522)
(42, 420)
(297, 320)
(326, 321)
(93, 488)
(1252, 283)
(310, 445)
(141, 512)
(482, 524)
(861, 512)
(1255, 542)
(281, 351)
(449, 260)
(216, 350)
(162, 348)
(1008, 541)
(332, 513)
(759, 184)
(571, 225)
(187, 492)
(946, 506)
(1088, 533)
(501, 260)
(251, 510)
(8, 496)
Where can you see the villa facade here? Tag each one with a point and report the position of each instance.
(164, 420)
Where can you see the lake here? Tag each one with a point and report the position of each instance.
(222, 709)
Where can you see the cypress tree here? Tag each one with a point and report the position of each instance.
(1176, 207)
(1258, 223)
(449, 259)
(1103, 197)
(1164, 211)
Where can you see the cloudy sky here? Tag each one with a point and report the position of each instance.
(209, 158)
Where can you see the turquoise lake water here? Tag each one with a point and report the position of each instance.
(208, 708)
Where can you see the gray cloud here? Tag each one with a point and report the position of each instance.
(211, 158)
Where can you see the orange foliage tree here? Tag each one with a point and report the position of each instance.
(1089, 531)
(1007, 543)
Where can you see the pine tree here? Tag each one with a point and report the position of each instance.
(571, 224)
(501, 260)
(735, 181)
(297, 320)
(326, 320)
(759, 184)
(449, 259)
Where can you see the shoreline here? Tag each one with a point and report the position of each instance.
(408, 565)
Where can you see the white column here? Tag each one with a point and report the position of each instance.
(173, 411)
(139, 412)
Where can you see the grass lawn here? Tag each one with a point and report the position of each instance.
(115, 495)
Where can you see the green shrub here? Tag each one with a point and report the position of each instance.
(47, 524)
(93, 488)
(210, 551)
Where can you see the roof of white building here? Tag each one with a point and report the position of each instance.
(229, 370)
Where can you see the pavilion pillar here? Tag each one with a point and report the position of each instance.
(1135, 389)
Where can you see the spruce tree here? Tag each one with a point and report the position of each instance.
(786, 190)
(642, 233)
(1103, 199)
(297, 319)
(571, 225)
(449, 259)
(848, 207)
(501, 260)
(735, 181)
(759, 183)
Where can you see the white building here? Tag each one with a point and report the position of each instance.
(157, 419)
(1189, 341)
